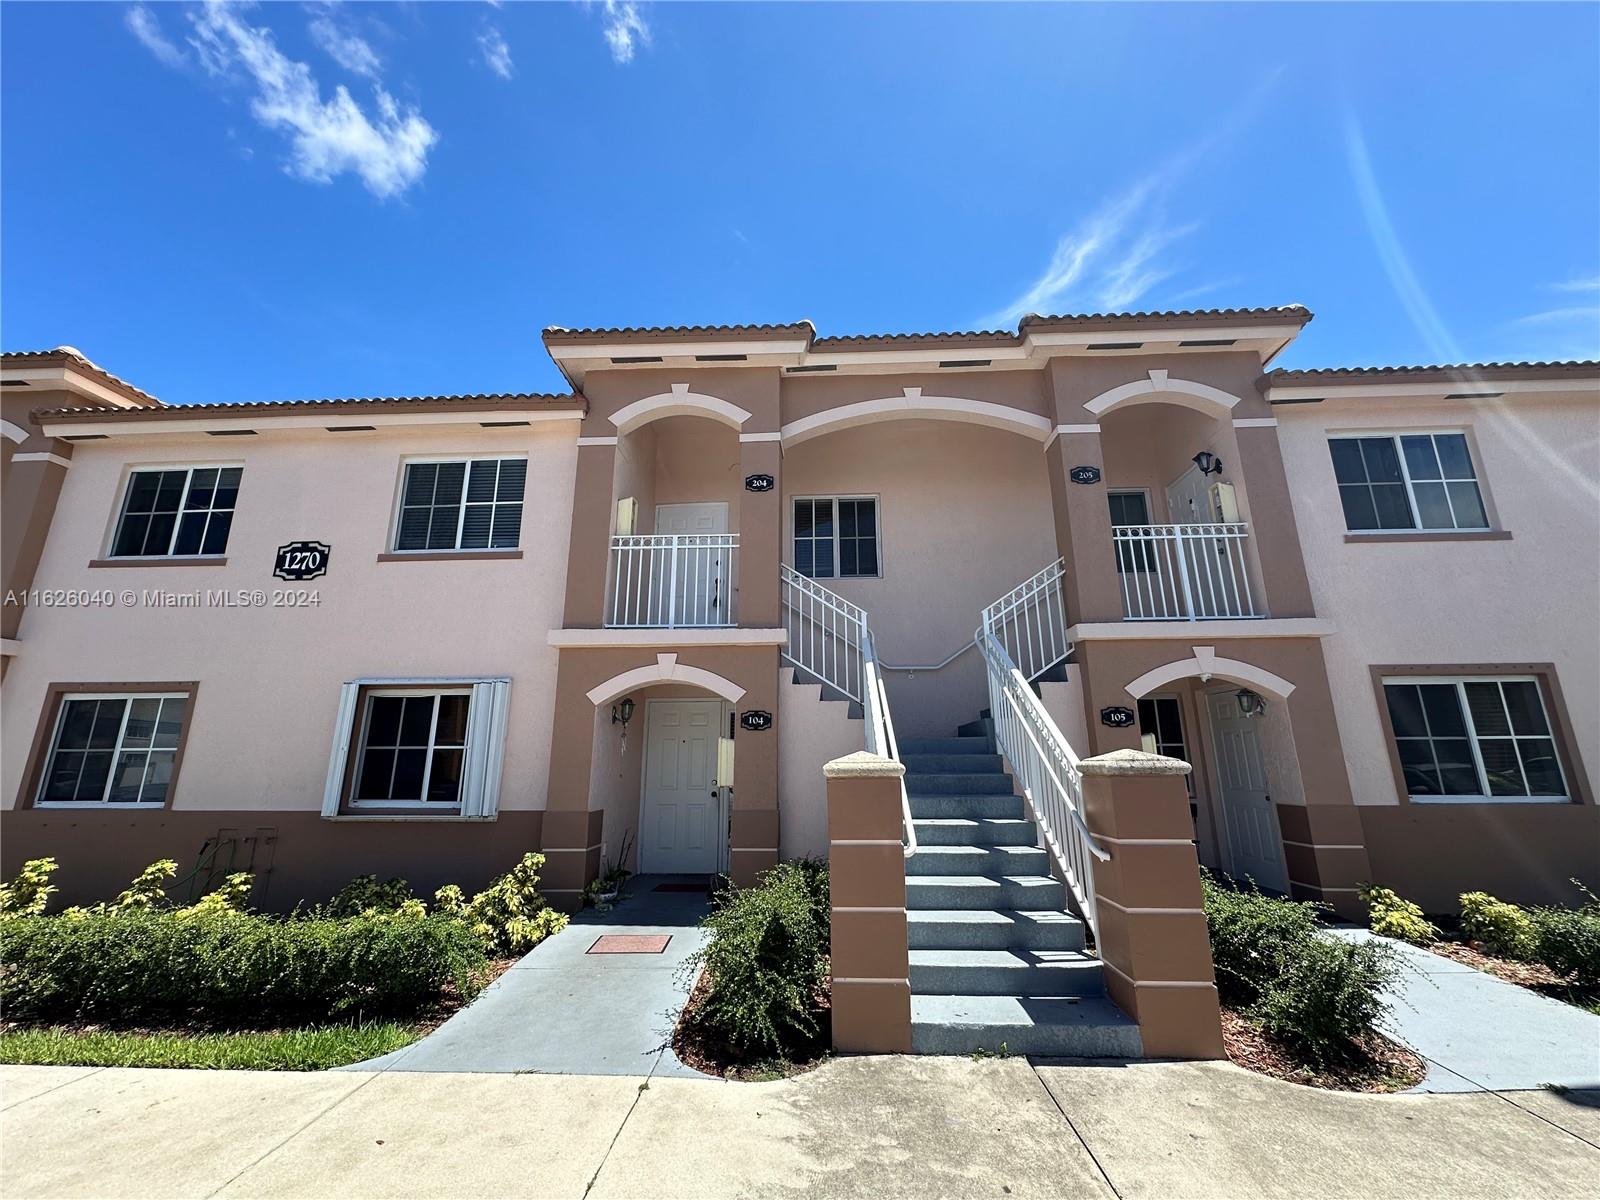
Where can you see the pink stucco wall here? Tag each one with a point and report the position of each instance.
(1532, 599)
(263, 720)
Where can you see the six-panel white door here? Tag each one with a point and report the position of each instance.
(1253, 842)
(701, 582)
(680, 817)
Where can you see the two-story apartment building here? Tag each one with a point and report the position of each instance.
(1362, 603)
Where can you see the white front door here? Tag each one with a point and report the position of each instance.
(699, 582)
(680, 818)
(1254, 846)
(1187, 500)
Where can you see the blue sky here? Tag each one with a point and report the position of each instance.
(236, 202)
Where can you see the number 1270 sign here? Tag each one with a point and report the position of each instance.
(302, 560)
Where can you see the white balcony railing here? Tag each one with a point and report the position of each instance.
(672, 580)
(1183, 572)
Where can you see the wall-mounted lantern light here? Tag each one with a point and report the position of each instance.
(1250, 703)
(622, 713)
(1208, 463)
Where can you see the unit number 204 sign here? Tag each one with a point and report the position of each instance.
(302, 560)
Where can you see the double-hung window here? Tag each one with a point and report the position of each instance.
(836, 537)
(1486, 738)
(461, 504)
(114, 749)
(413, 745)
(177, 512)
(1415, 481)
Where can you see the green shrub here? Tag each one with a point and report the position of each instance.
(1567, 940)
(1329, 995)
(1501, 928)
(229, 967)
(149, 888)
(364, 892)
(1390, 915)
(29, 893)
(1252, 935)
(1273, 963)
(511, 915)
(766, 963)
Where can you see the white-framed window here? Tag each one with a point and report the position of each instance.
(176, 512)
(461, 504)
(1474, 738)
(114, 749)
(836, 537)
(412, 749)
(1131, 506)
(1407, 481)
(1161, 730)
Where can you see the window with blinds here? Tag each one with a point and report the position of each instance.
(461, 504)
(836, 537)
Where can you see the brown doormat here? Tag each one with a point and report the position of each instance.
(682, 887)
(630, 943)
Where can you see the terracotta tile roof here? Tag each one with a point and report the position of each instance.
(1575, 369)
(966, 337)
(471, 403)
(69, 356)
(672, 333)
(1204, 316)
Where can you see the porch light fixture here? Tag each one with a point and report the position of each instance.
(1250, 703)
(1208, 463)
(622, 713)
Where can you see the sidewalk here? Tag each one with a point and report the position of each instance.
(564, 1010)
(911, 1127)
(1480, 1033)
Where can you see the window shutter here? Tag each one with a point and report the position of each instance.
(486, 744)
(333, 789)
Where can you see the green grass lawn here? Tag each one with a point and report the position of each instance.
(282, 1050)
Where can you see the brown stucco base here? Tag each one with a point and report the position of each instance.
(1524, 853)
(296, 855)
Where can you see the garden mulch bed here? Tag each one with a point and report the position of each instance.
(1536, 977)
(450, 1001)
(698, 1047)
(1379, 1064)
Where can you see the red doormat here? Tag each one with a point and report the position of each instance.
(682, 887)
(630, 943)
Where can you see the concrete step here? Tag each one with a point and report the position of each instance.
(982, 831)
(983, 727)
(946, 745)
(952, 764)
(993, 929)
(978, 860)
(950, 805)
(1031, 893)
(994, 783)
(1047, 1026)
(1005, 973)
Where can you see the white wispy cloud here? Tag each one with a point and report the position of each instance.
(625, 29)
(351, 51)
(1589, 284)
(496, 54)
(387, 150)
(1586, 312)
(142, 23)
(1117, 255)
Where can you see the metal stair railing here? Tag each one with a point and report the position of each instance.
(826, 633)
(880, 737)
(1030, 622)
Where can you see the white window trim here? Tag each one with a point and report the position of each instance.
(410, 460)
(834, 499)
(116, 750)
(121, 510)
(483, 757)
(427, 767)
(1415, 530)
(1472, 737)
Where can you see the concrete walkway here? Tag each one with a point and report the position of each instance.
(1480, 1033)
(564, 1010)
(858, 1127)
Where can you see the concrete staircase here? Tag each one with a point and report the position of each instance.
(997, 963)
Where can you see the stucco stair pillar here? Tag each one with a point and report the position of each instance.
(760, 532)
(869, 940)
(1152, 926)
(1273, 533)
(589, 548)
(572, 829)
(1083, 526)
